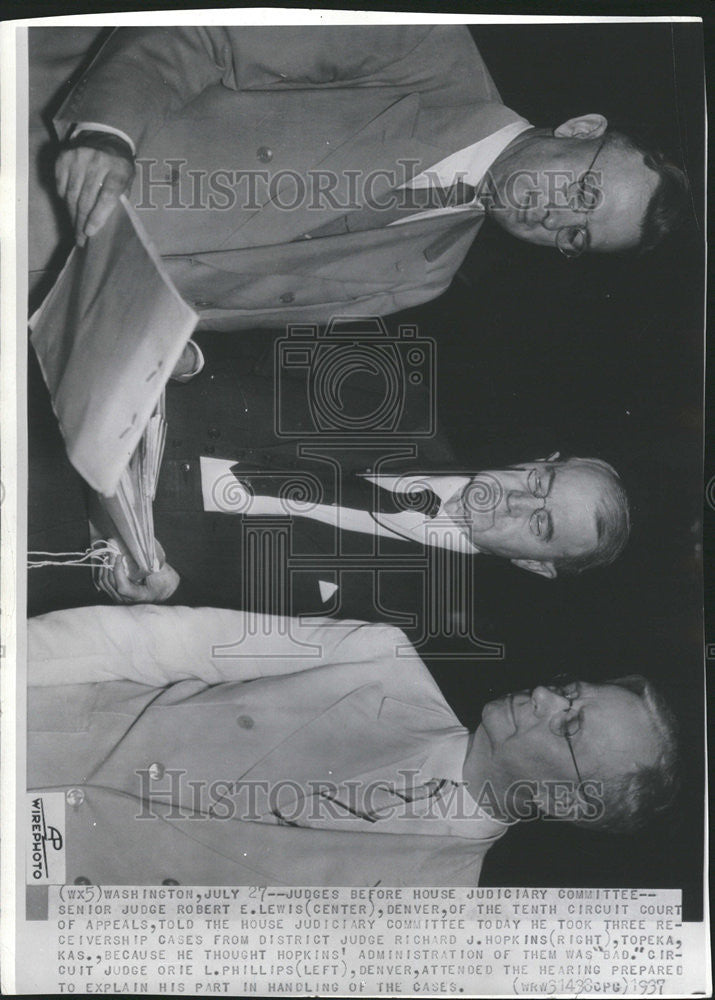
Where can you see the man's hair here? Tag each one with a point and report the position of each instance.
(613, 521)
(669, 205)
(632, 799)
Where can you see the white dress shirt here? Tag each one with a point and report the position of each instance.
(468, 165)
(429, 797)
(439, 800)
(223, 493)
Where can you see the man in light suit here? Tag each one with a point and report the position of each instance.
(290, 174)
(340, 763)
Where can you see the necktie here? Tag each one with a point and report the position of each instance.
(398, 204)
(423, 501)
(383, 801)
(356, 492)
(391, 799)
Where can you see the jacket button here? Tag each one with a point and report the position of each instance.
(245, 722)
(264, 154)
(82, 880)
(169, 881)
(186, 467)
(156, 771)
(214, 432)
(287, 297)
(74, 797)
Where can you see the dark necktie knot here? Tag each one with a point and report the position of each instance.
(421, 501)
(354, 491)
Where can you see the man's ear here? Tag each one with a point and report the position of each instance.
(546, 568)
(584, 127)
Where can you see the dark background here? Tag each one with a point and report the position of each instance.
(598, 356)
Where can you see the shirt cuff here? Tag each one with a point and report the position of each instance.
(199, 362)
(99, 127)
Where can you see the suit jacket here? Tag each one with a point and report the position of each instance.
(229, 413)
(278, 564)
(222, 560)
(377, 102)
(120, 690)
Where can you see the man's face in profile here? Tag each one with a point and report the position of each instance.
(556, 183)
(540, 511)
(609, 728)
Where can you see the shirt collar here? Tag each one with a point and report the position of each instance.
(444, 487)
(480, 156)
(471, 163)
(445, 760)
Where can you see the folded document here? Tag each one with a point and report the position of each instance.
(107, 337)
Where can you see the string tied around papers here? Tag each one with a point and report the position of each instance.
(96, 556)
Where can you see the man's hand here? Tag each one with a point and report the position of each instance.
(91, 181)
(156, 587)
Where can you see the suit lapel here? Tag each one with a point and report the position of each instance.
(440, 531)
(344, 270)
(447, 130)
(362, 734)
(386, 147)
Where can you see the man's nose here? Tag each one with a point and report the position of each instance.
(556, 218)
(548, 700)
(522, 502)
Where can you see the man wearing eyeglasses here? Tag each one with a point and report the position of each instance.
(289, 174)
(579, 188)
(547, 517)
(200, 746)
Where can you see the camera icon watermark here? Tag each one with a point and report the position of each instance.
(358, 380)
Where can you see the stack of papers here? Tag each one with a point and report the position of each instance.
(127, 515)
(108, 337)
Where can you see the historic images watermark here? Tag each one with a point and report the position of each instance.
(171, 793)
(171, 184)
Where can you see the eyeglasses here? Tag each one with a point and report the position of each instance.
(539, 482)
(583, 196)
(567, 727)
